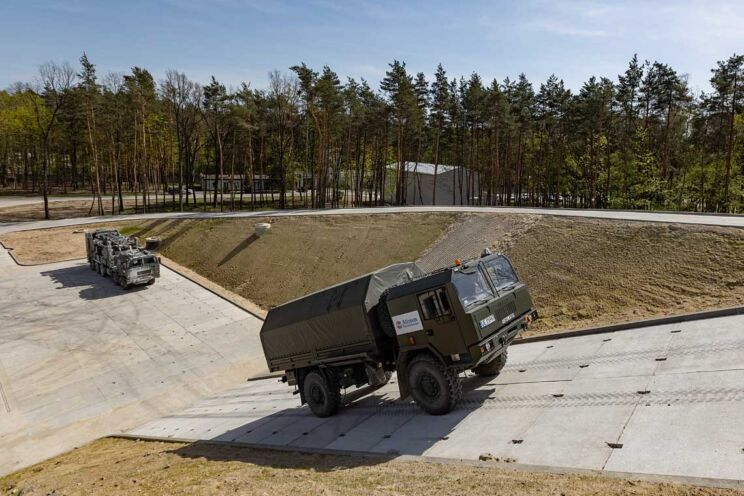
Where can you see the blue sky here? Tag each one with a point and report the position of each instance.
(242, 40)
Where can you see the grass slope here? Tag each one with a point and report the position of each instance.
(298, 255)
(123, 467)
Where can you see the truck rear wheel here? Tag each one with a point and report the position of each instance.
(492, 368)
(434, 387)
(322, 395)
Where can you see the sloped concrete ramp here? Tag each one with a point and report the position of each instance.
(666, 400)
(81, 358)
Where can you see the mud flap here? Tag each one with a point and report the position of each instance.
(401, 369)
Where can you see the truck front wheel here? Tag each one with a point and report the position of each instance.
(322, 395)
(434, 387)
(492, 368)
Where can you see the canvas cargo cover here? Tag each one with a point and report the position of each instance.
(331, 323)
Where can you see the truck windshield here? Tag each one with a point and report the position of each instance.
(472, 288)
(501, 272)
(138, 262)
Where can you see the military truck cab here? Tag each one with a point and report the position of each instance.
(462, 317)
(427, 327)
(136, 267)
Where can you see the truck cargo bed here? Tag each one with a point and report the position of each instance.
(331, 324)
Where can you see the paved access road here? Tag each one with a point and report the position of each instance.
(682, 218)
(670, 399)
(80, 358)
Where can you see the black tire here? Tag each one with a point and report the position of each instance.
(434, 387)
(322, 395)
(92, 265)
(383, 316)
(151, 282)
(492, 368)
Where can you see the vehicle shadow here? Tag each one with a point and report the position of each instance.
(93, 286)
(373, 421)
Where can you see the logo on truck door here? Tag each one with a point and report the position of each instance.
(407, 322)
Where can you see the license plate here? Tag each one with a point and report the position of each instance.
(487, 321)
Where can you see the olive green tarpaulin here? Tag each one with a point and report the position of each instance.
(331, 323)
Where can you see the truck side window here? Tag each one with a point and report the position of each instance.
(434, 304)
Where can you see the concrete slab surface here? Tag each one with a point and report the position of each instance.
(81, 358)
(665, 400)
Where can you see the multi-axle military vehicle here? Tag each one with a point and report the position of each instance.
(121, 258)
(426, 327)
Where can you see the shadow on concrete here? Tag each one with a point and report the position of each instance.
(242, 246)
(93, 286)
(370, 422)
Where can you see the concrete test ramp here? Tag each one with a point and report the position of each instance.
(666, 400)
(81, 358)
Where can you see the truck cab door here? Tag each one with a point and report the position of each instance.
(441, 328)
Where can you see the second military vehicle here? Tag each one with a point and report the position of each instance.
(427, 327)
(111, 254)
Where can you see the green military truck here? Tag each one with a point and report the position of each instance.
(120, 257)
(427, 327)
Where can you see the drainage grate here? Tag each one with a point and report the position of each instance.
(583, 365)
(517, 441)
(559, 395)
(676, 331)
(661, 359)
(615, 445)
(645, 391)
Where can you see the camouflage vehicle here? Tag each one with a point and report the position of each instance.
(121, 258)
(427, 327)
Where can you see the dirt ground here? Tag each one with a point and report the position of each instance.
(57, 210)
(584, 272)
(48, 245)
(122, 467)
(581, 272)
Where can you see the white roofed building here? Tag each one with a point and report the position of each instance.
(455, 185)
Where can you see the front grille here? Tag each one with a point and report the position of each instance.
(143, 272)
(505, 310)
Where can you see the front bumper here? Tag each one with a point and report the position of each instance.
(495, 343)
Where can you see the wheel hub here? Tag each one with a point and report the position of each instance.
(316, 395)
(429, 386)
